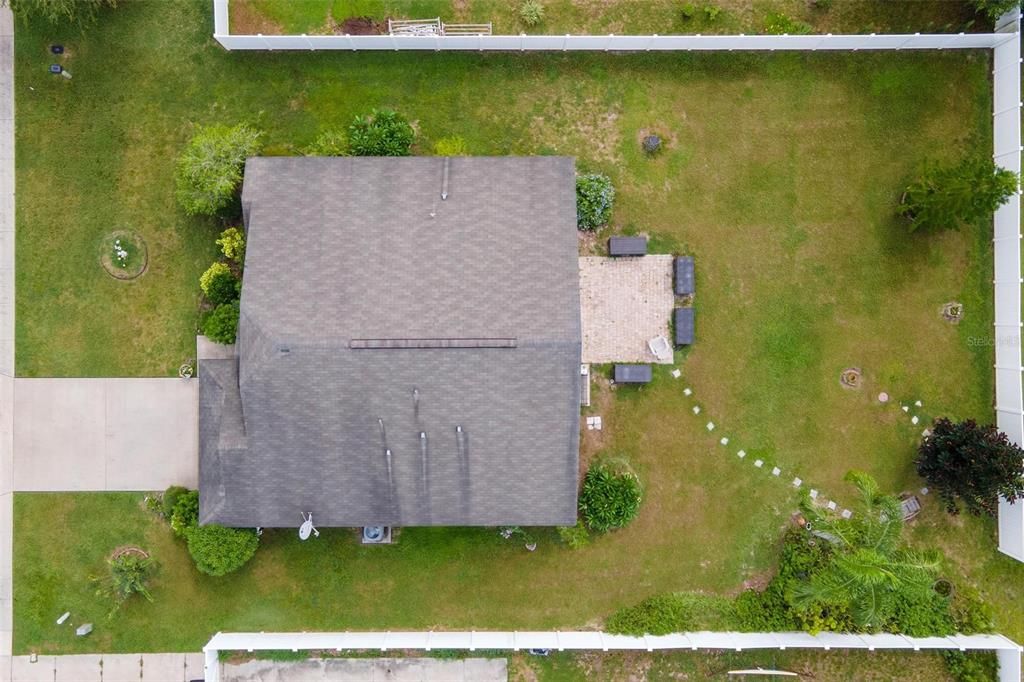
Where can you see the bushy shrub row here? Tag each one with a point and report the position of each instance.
(216, 550)
(675, 612)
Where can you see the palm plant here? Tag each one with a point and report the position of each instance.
(868, 568)
(128, 576)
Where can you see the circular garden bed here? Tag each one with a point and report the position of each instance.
(123, 254)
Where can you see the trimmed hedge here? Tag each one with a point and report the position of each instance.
(217, 550)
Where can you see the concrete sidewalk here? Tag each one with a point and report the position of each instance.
(105, 434)
(369, 670)
(6, 333)
(108, 668)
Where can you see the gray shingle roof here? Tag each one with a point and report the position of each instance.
(364, 250)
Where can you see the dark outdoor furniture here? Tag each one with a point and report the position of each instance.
(683, 318)
(627, 246)
(632, 374)
(684, 275)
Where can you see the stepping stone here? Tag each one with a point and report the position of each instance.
(905, 408)
(914, 420)
(814, 494)
(831, 505)
(926, 433)
(676, 373)
(924, 491)
(797, 482)
(711, 426)
(758, 463)
(724, 441)
(918, 403)
(846, 514)
(741, 454)
(687, 392)
(696, 409)
(597, 423)
(883, 397)
(776, 471)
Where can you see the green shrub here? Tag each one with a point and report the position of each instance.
(328, 143)
(688, 11)
(531, 12)
(222, 288)
(185, 512)
(924, 615)
(383, 133)
(946, 197)
(595, 196)
(763, 612)
(971, 666)
(129, 574)
(215, 270)
(711, 12)
(450, 146)
(217, 550)
(576, 536)
(610, 497)
(970, 614)
(778, 24)
(210, 169)
(221, 326)
(170, 498)
(993, 9)
(678, 612)
(232, 244)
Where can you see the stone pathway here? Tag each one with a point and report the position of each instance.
(624, 303)
(108, 668)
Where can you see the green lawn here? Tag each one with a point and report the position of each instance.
(663, 17)
(781, 174)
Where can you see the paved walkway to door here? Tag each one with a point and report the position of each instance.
(105, 434)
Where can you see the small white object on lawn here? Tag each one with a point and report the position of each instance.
(814, 494)
(776, 471)
(914, 420)
(918, 403)
(696, 409)
(676, 373)
(687, 392)
(926, 433)
(883, 397)
(924, 491)
(905, 408)
(741, 454)
(724, 441)
(758, 463)
(711, 426)
(60, 621)
(597, 423)
(797, 482)
(846, 514)
(831, 505)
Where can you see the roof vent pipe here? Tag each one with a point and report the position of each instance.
(444, 179)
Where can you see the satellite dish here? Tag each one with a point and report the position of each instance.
(307, 527)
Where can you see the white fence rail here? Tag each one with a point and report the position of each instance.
(1007, 651)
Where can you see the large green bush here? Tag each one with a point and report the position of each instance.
(232, 244)
(170, 498)
(60, 11)
(595, 196)
(610, 497)
(218, 551)
(677, 612)
(221, 326)
(383, 133)
(222, 288)
(185, 512)
(993, 9)
(210, 169)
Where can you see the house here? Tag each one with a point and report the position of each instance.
(408, 350)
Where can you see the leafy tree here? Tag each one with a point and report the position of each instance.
(210, 169)
(232, 244)
(221, 326)
(328, 143)
(383, 133)
(60, 11)
(610, 497)
(218, 551)
(993, 9)
(129, 574)
(945, 197)
(971, 464)
(868, 571)
(595, 196)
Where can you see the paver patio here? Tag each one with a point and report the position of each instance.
(625, 302)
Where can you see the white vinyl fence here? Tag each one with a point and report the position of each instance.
(1006, 650)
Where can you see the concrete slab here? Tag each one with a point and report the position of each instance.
(121, 667)
(105, 434)
(370, 670)
(195, 666)
(624, 303)
(78, 668)
(24, 670)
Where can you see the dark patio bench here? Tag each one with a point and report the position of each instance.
(632, 374)
(684, 275)
(683, 318)
(627, 246)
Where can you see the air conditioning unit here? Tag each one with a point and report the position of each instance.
(376, 535)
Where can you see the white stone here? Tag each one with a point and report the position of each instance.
(918, 403)
(883, 397)
(741, 454)
(924, 491)
(797, 482)
(711, 426)
(724, 441)
(814, 494)
(758, 463)
(831, 505)
(676, 373)
(926, 433)
(696, 409)
(597, 423)
(846, 514)
(914, 420)
(905, 408)
(776, 471)
(687, 392)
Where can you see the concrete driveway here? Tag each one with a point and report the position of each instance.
(105, 434)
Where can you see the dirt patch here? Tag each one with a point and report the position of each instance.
(129, 550)
(590, 243)
(585, 122)
(360, 26)
(593, 441)
(244, 19)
